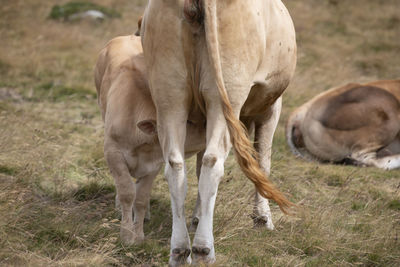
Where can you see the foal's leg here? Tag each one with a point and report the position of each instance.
(264, 132)
(147, 216)
(141, 205)
(125, 192)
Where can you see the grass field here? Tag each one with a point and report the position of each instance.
(56, 193)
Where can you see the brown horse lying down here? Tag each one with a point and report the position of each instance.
(356, 124)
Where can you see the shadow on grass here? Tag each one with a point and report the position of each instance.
(155, 249)
(92, 191)
(50, 227)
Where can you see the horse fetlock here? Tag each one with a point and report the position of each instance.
(203, 254)
(127, 234)
(262, 221)
(180, 256)
(130, 235)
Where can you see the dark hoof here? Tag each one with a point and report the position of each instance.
(259, 221)
(195, 221)
(180, 256)
(203, 255)
(181, 252)
(201, 251)
(262, 221)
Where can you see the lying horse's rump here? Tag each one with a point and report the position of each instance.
(354, 124)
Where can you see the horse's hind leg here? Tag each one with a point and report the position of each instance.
(196, 211)
(264, 132)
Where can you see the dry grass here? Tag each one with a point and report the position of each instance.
(56, 194)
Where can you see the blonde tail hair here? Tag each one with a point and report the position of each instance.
(244, 150)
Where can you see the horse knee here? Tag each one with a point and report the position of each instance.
(175, 161)
(126, 197)
(209, 160)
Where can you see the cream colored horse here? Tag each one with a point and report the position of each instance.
(231, 59)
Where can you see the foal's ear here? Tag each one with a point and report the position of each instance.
(148, 126)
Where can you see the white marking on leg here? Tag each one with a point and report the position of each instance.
(264, 132)
(177, 183)
(212, 170)
(172, 135)
(208, 187)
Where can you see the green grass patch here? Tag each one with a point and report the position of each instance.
(153, 249)
(4, 67)
(93, 190)
(394, 204)
(8, 170)
(374, 258)
(55, 235)
(335, 180)
(379, 46)
(307, 60)
(57, 93)
(392, 22)
(370, 67)
(361, 227)
(333, 27)
(92, 155)
(256, 260)
(357, 205)
(65, 11)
